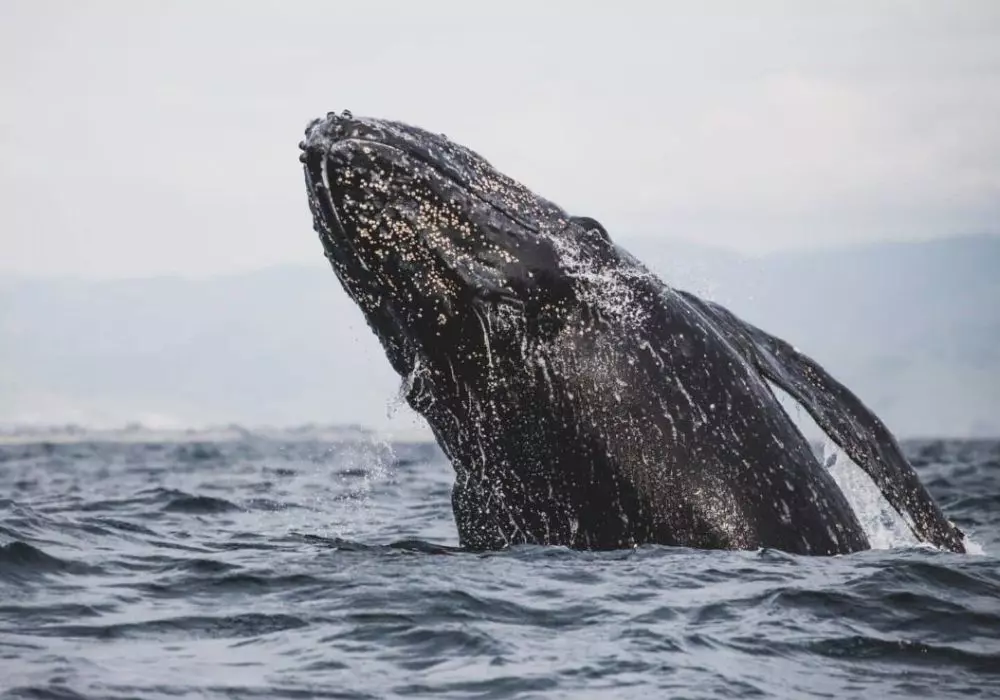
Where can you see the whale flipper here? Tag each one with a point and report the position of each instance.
(842, 415)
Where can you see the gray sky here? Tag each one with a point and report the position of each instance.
(147, 138)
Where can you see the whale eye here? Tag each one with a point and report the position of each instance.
(592, 227)
(593, 236)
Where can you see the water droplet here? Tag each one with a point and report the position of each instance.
(346, 114)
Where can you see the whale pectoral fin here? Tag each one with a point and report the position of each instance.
(843, 416)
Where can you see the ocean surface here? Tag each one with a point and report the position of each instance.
(298, 568)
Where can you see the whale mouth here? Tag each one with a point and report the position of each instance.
(318, 180)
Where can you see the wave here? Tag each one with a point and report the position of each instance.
(285, 570)
(20, 561)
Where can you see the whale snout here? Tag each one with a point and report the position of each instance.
(322, 133)
(330, 123)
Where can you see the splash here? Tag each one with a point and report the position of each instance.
(885, 527)
(343, 481)
(973, 547)
(606, 288)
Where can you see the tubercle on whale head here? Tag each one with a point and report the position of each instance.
(427, 236)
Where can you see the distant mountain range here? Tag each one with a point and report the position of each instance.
(913, 328)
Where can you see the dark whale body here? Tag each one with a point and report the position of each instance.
(581, 400)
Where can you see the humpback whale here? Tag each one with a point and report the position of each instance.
(582, 401)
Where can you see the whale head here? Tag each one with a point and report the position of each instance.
(433, 243)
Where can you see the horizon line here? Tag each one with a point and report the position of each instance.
(133, 431)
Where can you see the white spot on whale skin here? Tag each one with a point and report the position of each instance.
(833, 536)
(574, 526)
(786, 513)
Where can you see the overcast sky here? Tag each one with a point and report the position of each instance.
(147, 138)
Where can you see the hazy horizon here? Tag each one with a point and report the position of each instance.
(911, 328)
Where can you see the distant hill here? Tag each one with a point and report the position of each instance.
(913, 328)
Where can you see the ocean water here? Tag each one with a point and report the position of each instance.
(291, 568)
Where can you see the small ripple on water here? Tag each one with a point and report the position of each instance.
(199, 505)
(191, 627)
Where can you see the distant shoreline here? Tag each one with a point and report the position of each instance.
(133, 433)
